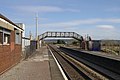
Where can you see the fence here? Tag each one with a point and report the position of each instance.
(28, 47)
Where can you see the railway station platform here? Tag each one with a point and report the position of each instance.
(103, 54)
(40, 66)
(98, 53)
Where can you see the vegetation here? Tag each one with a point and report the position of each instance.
(111, 46)
(60, 42)
(75, 43)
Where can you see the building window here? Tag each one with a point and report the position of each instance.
(6, 38)
(1, 37)
(17, 37)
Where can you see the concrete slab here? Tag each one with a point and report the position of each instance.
(40, 66)
(55, 72)
(103, 54)
(34, 68)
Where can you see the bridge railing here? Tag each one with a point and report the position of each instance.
(61, 35)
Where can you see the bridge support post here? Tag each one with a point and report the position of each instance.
(40, 43)
(80, 44)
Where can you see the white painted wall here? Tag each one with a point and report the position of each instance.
(25, 42)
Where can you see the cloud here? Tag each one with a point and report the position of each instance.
(106, 27)
(72, 10)
(117, 9)
(41, 9)
(82, 22)
(93, 27)
(114, 20)
(100, 32)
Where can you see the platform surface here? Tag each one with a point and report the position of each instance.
(103, 54)
(40, 66)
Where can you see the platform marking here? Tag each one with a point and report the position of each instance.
(60, 68)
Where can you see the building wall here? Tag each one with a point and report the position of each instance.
(21, 25)
(25, 43)
(10, 54)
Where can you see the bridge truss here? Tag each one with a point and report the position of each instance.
(60, 35)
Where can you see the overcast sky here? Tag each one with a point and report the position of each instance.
(98, 18)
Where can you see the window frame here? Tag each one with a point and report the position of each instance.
(1, 40)
(18, 38)
(7, 33)
(6, 39)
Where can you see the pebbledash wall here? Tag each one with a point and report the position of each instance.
(10, 43)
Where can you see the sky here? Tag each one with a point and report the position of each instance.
(98, 18)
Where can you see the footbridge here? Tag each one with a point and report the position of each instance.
(61, 35)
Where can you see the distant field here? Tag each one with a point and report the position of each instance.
(111, 49)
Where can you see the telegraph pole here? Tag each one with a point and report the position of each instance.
(36, 26)
(37, 41)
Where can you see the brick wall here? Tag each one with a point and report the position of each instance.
(10, 54)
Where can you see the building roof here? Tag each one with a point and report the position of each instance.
(25, 38)
(3, 17)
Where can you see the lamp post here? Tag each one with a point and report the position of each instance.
(37, 39)
(36, 27)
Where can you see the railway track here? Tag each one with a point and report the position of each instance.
(69, 70)
(74, 69)
(108, 68)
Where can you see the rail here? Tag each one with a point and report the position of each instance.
(107, 67)
(74, 69)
